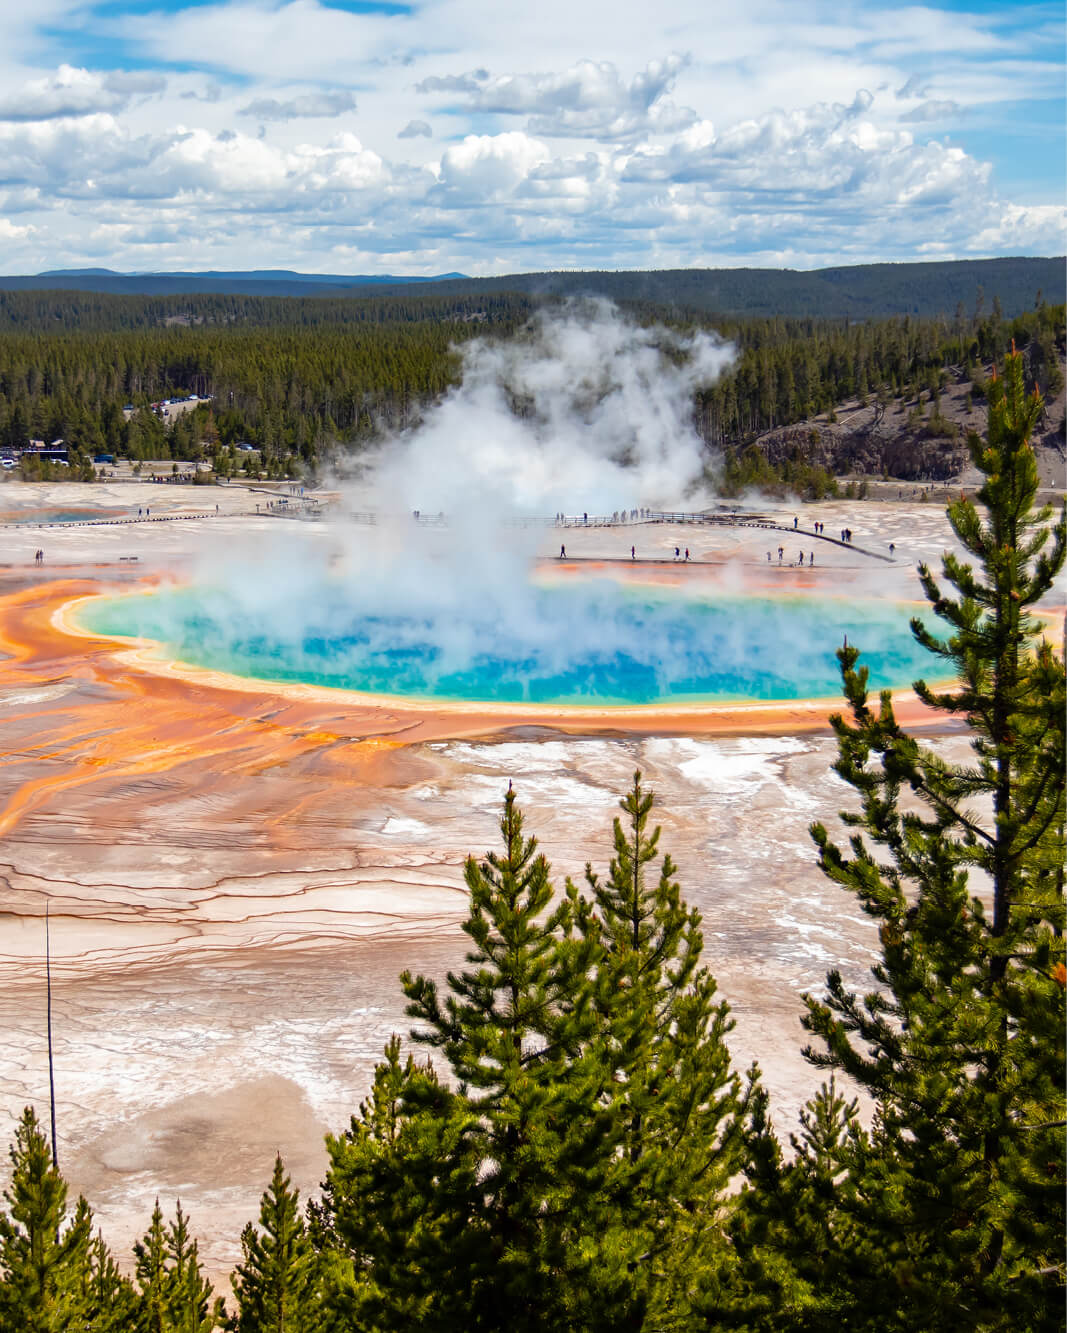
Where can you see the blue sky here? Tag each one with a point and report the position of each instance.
(354, 137)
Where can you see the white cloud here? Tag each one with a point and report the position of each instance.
(590, 100)
(415, 129)
(10, 232)
(1018, 229)
(484, 167)
(825, 153)
(77, 92)
(299, 40)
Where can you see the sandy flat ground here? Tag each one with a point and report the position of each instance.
(237, 874)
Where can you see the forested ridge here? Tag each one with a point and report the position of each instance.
(860, 291)
(579, 1152)
(305, 379)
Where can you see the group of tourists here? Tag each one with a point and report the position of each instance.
(820, 530)
(633, 553)
(797, 563)
(617, 516)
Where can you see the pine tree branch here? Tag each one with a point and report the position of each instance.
(921, 786)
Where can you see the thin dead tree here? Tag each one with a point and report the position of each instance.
(51, 1067)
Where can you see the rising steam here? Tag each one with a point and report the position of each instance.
(584, 411)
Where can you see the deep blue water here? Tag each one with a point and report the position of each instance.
(587, 642)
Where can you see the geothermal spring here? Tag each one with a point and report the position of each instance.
(245, 751)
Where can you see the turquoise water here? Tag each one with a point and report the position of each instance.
(588, 642)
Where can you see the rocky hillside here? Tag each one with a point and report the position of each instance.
(913, 439)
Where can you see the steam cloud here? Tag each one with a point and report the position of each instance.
(584, 412)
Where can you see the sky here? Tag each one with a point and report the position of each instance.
(474, 136)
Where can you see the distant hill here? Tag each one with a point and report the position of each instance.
(864, 291)
(254, 282)
(80, 273)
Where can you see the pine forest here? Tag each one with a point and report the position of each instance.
(313, 381)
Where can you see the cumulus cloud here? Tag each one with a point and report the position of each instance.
(10, 232)
(823, 183)
(234, 170)
(238, 165)
(416, 129)
(485, 167)
(20, 201)
(1016, 228)
(77, 92)
(824, 153)
(589, 100)
(307, 106)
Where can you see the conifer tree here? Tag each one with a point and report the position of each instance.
(194, 1308)
(44, 1256)
(276, 1287)
(380, 1231)
(527, 1131)
(574, 1173)
(109, 1298)
(150, 1266)
(498, 1173)
(955, 1199)
(679, 1105)
(175, 1297)
(794, 1226)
